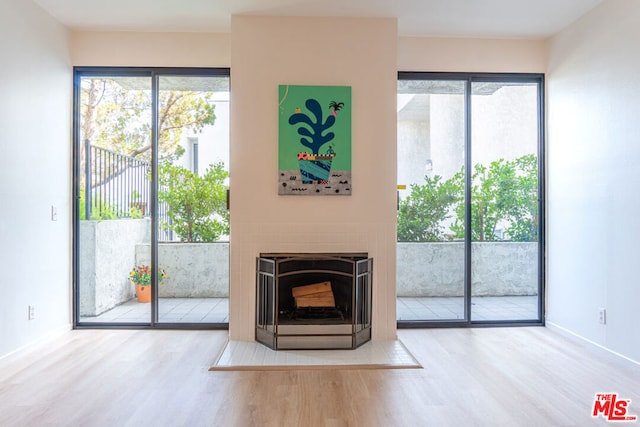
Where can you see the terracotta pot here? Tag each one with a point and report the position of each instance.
(144, 293)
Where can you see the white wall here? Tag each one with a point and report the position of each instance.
(594, 201)
(266, 52)
(35, 159)
(128, 49)
(471, 55)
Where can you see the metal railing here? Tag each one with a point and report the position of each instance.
(116, 185)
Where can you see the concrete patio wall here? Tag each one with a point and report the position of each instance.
(110, 249)
(107, 254)
(423, 269)
(437, 269)
(195, 270)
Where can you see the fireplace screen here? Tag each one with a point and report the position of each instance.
(313, 301)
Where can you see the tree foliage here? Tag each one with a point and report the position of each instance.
(196, 204)
(504, 195)
(522, 212)
(487, 200)
(119, 118)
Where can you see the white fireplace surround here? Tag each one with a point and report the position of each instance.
(261, 221)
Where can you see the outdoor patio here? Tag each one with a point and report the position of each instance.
(216, 310)
(482, 308)
(171, 310)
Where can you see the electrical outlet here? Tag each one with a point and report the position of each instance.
(32, 312)
(602, 315)
(54, 213)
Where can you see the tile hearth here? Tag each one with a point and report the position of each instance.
(240, 355)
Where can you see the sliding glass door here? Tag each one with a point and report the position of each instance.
(504, 200)
(113, 118)
(469, 212)
(193, 221)
(151, 167)
(431, 159)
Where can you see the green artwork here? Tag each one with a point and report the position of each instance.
(314, 140)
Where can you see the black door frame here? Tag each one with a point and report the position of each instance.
(153, 73)
(469, 78)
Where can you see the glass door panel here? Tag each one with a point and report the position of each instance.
(193, 221)
(431, 157)
(504, 201)
(114, 231)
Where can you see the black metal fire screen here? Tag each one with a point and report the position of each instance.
(313, 301)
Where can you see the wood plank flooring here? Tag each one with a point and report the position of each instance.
(471, 377)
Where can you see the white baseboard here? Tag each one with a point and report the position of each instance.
(27, 347)
(568, 333)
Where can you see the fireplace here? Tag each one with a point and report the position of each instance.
(313, 301)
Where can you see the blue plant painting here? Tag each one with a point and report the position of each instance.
(314, 140)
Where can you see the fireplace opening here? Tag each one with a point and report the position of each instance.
(325, 306)
(313, 301)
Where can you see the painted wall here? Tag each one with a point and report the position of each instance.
(35, 119)
(471, 55)
(266, 52)
(593, 178)
(260, 53)
(129, 49)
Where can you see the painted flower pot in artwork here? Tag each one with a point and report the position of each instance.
(315, 168)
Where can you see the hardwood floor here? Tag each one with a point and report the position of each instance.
(483, 377)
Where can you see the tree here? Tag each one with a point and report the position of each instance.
(119, 118)
(422, 214)
(196, 205)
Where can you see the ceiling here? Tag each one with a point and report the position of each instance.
(439, 18)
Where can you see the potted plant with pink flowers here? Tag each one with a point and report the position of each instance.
(141, 277)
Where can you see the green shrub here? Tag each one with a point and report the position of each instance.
(98, 212)
(196, 205)
(422, 213)
(504, 194)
